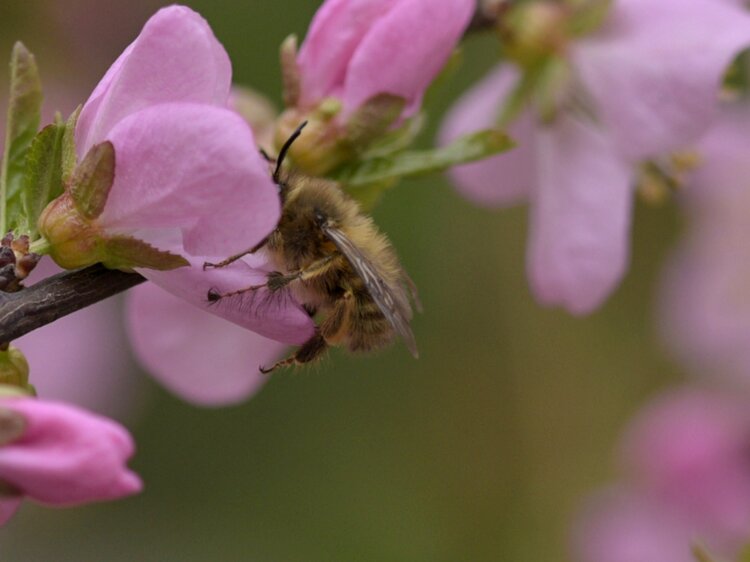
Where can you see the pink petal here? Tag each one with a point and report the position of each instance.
(176, 58)
(335, 32)
(278, 317)
(201, 173)
(625, 526)
(404, 51)
(198, 356)
(500, 180)
(67, 456)
(80, 358)
(8, 508)
(580, 217)
(657, 90)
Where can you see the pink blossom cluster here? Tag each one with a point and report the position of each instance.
(189, 179)
(644, 84)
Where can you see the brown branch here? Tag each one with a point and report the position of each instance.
(58, 296)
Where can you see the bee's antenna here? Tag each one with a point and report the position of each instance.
(284, 149)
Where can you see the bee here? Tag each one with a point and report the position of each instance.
(336, 262)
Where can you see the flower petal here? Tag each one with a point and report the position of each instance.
(580, 217)
(404, 51)
(637, 74)
(334, 34)
(67, 456)
(176, 58)
(278, 317)
(199, 357)
(501, 180)
(201, 173)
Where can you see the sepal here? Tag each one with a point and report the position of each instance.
(290, 73)
(126, 253)
(92, 180)
(373, 119)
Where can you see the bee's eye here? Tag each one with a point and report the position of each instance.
(320, 217)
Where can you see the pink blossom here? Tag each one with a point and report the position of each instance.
(357, 50)
(64, 456)
(184, 161)
(686, 477)
(705, 304)
(577, 173)
(202, 358)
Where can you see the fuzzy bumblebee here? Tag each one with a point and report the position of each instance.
(333, 259)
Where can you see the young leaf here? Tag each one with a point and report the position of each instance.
(469, 148)
(69, 155)
(92, 180)
(24, 112)
(43, 178)
(127, 253)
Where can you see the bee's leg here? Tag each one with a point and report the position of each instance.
(277, 280)
(310, 351)
(329, 331)
(234, 258)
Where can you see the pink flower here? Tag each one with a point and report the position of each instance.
(357, 50)
(652, 92)
(705, 304)
(189, 179)
(686, 478)
(185, 163)
(60, 455)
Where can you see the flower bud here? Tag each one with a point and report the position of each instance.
(73, 240)
(14, 370)
(323, 146)
(535, 31)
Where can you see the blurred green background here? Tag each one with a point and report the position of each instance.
(480, 451)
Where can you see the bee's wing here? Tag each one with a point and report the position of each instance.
(392, 301)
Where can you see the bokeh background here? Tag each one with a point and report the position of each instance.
(480, 451)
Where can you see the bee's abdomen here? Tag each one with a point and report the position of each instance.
(369, 329)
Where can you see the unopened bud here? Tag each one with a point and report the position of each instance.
(72, 239)
(14, 370)
(322, 147)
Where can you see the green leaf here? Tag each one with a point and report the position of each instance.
(69, 155)
(745, 555)
(92, 180)
(126, 253)
(469, 148)
(24, 112)
(43, 178)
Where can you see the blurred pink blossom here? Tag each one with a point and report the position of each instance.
(652, 92)
(64, 456)
(705, 304)
(357, 50)
(686, 479)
